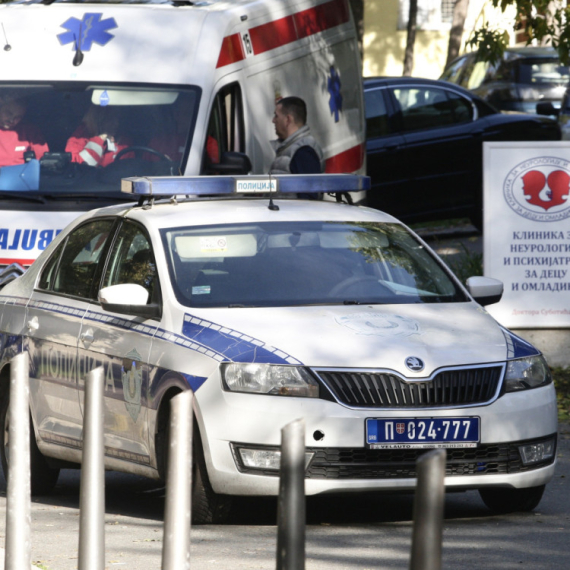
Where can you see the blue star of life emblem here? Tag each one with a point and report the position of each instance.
(335, 101)
(90, 29)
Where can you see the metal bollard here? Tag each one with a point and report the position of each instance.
(178, 507)
(291, 517)
(92, 489)
(428, 511)
(18, 552)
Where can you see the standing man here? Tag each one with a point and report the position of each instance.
(296, 151)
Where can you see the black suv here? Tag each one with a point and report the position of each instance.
(524, 77)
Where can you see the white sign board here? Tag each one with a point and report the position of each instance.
(526, 236)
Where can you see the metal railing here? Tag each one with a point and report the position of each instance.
(291, 512)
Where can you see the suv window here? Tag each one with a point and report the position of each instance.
(72, 269)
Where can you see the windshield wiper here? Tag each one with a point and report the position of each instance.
(23, 196)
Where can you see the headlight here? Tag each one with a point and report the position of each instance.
(269, 379)
(527, 373)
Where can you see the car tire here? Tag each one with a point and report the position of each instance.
(208, 507)
(43, 478)
(504, 501)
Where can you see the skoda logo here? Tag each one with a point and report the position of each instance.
(414, 363)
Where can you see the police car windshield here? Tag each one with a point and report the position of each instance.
(76, 139)
(304, 263)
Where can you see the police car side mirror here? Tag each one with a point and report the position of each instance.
(485, 290)
(128, 299)
(231, 163)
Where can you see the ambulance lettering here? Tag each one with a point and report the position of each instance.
(12, 239)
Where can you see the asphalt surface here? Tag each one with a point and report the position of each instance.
(343, 533)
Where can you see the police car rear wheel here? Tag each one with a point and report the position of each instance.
(43, 478)
(512, 500)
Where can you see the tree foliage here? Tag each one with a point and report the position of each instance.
(545, 22)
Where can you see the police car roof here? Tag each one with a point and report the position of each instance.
(227, 211)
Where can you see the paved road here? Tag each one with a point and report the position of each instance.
(351, 533)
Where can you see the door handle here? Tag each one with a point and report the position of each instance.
(33, 324)
(87, 336)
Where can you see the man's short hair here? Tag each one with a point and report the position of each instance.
(296, 107)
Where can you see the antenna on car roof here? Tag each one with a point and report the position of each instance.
(272, 206)
(78, 57)
(7, 46)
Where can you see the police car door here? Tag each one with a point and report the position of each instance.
(122, 344)
(54, 314)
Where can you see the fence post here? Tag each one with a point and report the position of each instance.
(291, 517)
(18, 553)
(92, 486)
(428, 511)
(178, 507)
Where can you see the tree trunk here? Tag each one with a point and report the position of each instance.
(456, 33)
(409, 55)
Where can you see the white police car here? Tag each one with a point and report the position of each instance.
(272, 309)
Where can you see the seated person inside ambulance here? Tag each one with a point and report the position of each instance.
(19, 141)
(172, 141)
(97, 140)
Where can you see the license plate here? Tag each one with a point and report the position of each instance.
(422, 433)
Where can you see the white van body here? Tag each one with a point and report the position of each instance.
(224, 63)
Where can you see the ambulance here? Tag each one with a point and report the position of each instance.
(93, 93)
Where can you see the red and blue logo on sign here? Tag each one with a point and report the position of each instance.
(538, 189)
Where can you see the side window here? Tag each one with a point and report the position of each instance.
(226, 130)
(453, 72)
(72, 269)
(377, 124)
(476, 74)
(462, 108)
(132, 261)
(424, 108)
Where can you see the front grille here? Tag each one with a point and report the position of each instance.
(384, 390)
(361, 463)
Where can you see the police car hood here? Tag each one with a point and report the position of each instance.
(379, 336)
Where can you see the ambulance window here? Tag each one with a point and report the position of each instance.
(226, 125)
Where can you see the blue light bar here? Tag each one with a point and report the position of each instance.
(232, 185)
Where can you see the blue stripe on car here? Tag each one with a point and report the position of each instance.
(518, 347)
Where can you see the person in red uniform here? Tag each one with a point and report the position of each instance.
(17, 136)
(96, 141)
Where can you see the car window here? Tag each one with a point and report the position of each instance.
(73, 267)
(300, 263)
(132, 260)
(476, 74)
(537, 72)
(226, 131)
(429, 107)
(453, 72)
(376, 114)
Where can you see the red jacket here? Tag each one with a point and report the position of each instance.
(21, 139)
(93, 151)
